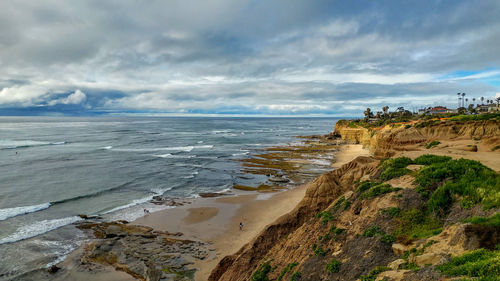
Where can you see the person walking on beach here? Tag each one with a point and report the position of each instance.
(241, 225)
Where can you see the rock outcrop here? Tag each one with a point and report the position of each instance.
(142, 252)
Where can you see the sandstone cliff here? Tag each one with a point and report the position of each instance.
(386, 141)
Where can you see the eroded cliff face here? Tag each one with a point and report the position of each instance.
(290, 227)
(386, 141)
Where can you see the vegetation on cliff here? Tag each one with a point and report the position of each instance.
(351, 236)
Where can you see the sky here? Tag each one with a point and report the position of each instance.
(245, 57)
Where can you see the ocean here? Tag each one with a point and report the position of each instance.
(54, 168)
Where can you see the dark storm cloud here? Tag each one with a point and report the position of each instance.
(221, 56)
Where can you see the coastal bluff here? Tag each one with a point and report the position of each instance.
(387, 140)
(376, 218)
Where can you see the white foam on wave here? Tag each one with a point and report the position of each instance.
(240, 154)
(16, 211)
(156, 191)
(188, 148)
(131, 204)
(21, 143)
(38, 228)
(107, 147)
(58, 143)
(168, 155)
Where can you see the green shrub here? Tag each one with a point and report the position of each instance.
(373, 273)
(262, 272)
(336, 230)
(338, 204)
(318, 251)
(287, 269)
(428, 159)
(372, 231)
(388, 238)
(393, 173)
(479, 117)
(296, 276)
(409, 266)
(325, 216)
(407, 126)
(494, 220)
(333, 266)
(480, 264)
(365, 185)
(379, 190)
(468, 179)
(417, 223)
(394, 168)
(432, 144)
(392, 212)
(347, 204)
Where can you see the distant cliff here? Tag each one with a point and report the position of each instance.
(387, 140)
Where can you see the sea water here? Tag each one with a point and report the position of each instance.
(54, 168)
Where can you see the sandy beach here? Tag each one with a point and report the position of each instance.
(215, 221)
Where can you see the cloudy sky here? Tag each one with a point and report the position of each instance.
(282, 57)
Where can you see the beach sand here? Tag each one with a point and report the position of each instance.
(216, 221)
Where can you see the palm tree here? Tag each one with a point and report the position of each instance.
(482, 99)
(463, 95)
(466, 101)
(498, 100)
(385, 109)
(368, 113)
(473, 100)
(458, 95)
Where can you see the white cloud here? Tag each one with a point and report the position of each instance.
(77, 97)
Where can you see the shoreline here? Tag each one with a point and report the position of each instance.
(214, 221)
(220, 230)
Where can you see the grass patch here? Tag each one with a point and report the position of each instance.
(318, 251)
(479, 117)
(481, 264)
(417, 223)
(394, 168)
(388, 238)
(287, 269)
(372, 275)
(379, 190)
(261, 273)
(428, 159)
(296, 276)
(336, 230)
(392, 212)
(372, 231)
(365, 185)
(494, 220)
(432, 144)
(473, 182)
(333, 266)
(325, 217)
